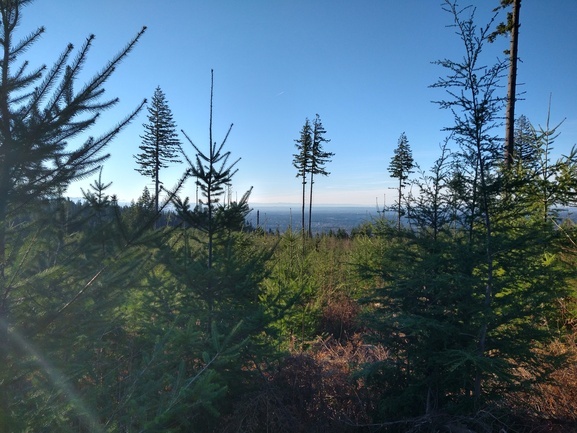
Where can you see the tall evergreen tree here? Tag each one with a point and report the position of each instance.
(302, 162)
(400, 167)
(318, 159)
(160, 143)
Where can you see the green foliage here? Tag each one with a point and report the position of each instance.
(51, 274)
(302, 288)
(467, 291)
(289, 294)
(58, 369)
(110, 326)
(140, 215)
(550, 183)
(430, 309)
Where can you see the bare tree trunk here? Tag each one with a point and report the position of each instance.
(512, 86)
(303, 206)
(311, 206)
(156, 184)
(399, 208)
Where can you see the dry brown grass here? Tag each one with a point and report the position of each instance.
(311, 391)
(551, 407)
(339, 318)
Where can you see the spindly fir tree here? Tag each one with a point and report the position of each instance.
(318, 160)
(302, 162)
(475, 104)
(400, 167)
(218, 271)
(160, 143)
(213, 173)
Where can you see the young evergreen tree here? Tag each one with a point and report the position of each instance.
(473, 100)
(160, 143)
(469, 288)
(302, 162)
(431, 209)
(219, 222)
(40, 115)
(213, 173)
(506, 252)
(50, 277)
(525, 135)
(96, 196)
(218, 271)
(400, 167)
(536, 174)
(318, 159)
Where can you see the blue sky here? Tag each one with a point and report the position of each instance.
(364, 66)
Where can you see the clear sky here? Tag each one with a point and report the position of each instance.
(363, 65)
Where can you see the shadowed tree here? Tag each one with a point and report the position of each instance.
(400, 167)
(40, 116)
(218, 272)
(475, 105)
(160, 143)
(469, 289)
(213, 173)
(45, 283)
(318, 159)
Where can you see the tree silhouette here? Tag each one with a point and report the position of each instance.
(213, 173)
(318, 159)
(310, 160)
(40, 116)
(400, 167)
(160, 143)
(302, 162)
